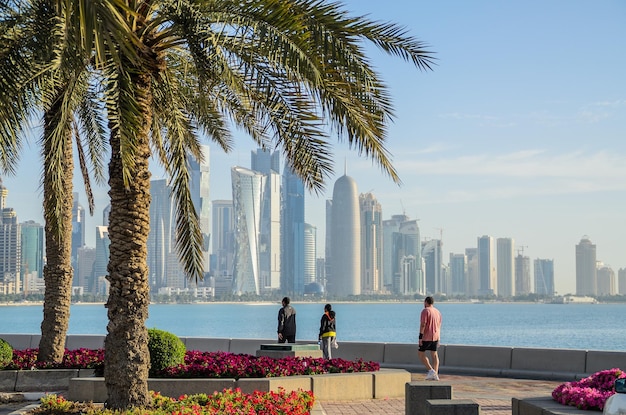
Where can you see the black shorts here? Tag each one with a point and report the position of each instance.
(429, 346)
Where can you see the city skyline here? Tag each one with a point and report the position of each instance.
(516, 133)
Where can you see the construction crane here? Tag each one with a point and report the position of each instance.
(440, 234)
(520, 250)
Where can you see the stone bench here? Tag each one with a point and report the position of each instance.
(452, 407)
(416, 395)
(543, 405)
(281, 350)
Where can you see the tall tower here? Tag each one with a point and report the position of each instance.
(102, 256)
(544, 276)
(522, 275)
(223, 238)
(293, 277)
(345, 231)
(621, 281)
(310, 254)
(248, 187)
(486, 266)
(473, 281)
(10, 251)
(371, 243)
(433, 266)
(32, 249)
(606, 281)
(78, 227)
(458, 274)
(161, 237)
(199, 187)
(390, 228)
(505, 267)
(586, 276)
(267, 163)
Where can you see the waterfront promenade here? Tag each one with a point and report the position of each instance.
(492, 394)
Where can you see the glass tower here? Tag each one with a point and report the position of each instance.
(371, 243)
(505, 267)
(293, 277)
(586, 274)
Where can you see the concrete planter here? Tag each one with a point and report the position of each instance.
(387, 383)
(39, 380)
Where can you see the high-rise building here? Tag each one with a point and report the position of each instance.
(293, 271)
(409, 275)
(78, 228)
(199, 189)
(371, 243)
(544, 277)
(606, 280)
(458, 274)
(586, 276)
(83, 273)
(390, 227)
(101, 259)
(161, 238)
(486, 266)
(432, 251)
(505, 267)
(310, 254)
(223, 237)
(328, 245)
(621, 281)
(267, 164)
(10, 247)
(345, 233)
(248, 189)
(522, 275)
(473, 282)
(32, 249)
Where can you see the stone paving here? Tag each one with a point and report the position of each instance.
(492, 394)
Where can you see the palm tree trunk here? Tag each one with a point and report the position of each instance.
(58, 271)
(127, 359)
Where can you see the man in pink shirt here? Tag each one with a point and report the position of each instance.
(430, 327)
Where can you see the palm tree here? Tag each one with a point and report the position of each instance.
(283, 70)
(44, 67)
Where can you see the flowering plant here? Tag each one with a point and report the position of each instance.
(590, 392)
(204, 364)
(229, 402)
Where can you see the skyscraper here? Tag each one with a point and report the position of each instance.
(10, 247)
(32, 249)
(101, 259)
(544, 277)
(223, 237)
(473, 282)
(293, 271)
(606, 280)
(371, 243)
(406, 257)
(505, 267)
(78, 227)
(621, 281)
(248, 187)
(199, 188)
(162, 233)
(390, 227)
(433, 265)
(458, 274)
(522, 275)
(345, 276)
(486, 266)
(310, 254)
(267, 163)
(586, 277)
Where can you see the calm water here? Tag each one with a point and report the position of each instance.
(573, 326)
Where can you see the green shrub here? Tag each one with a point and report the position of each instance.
(6, 353)
(166, 350)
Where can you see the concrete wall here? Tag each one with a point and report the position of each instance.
(511, 362)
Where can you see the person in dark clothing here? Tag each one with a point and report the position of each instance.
(286, 323)
(327, 331)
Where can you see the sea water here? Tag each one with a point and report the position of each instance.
(572, 326)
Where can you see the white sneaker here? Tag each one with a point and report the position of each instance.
(432, 375)
(436, 377)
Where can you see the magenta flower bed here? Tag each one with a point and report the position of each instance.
(590, 392)
(228, 365)
(205, 364)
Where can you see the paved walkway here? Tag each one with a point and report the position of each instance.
(492, 394)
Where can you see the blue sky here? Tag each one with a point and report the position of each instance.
(517, 132)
